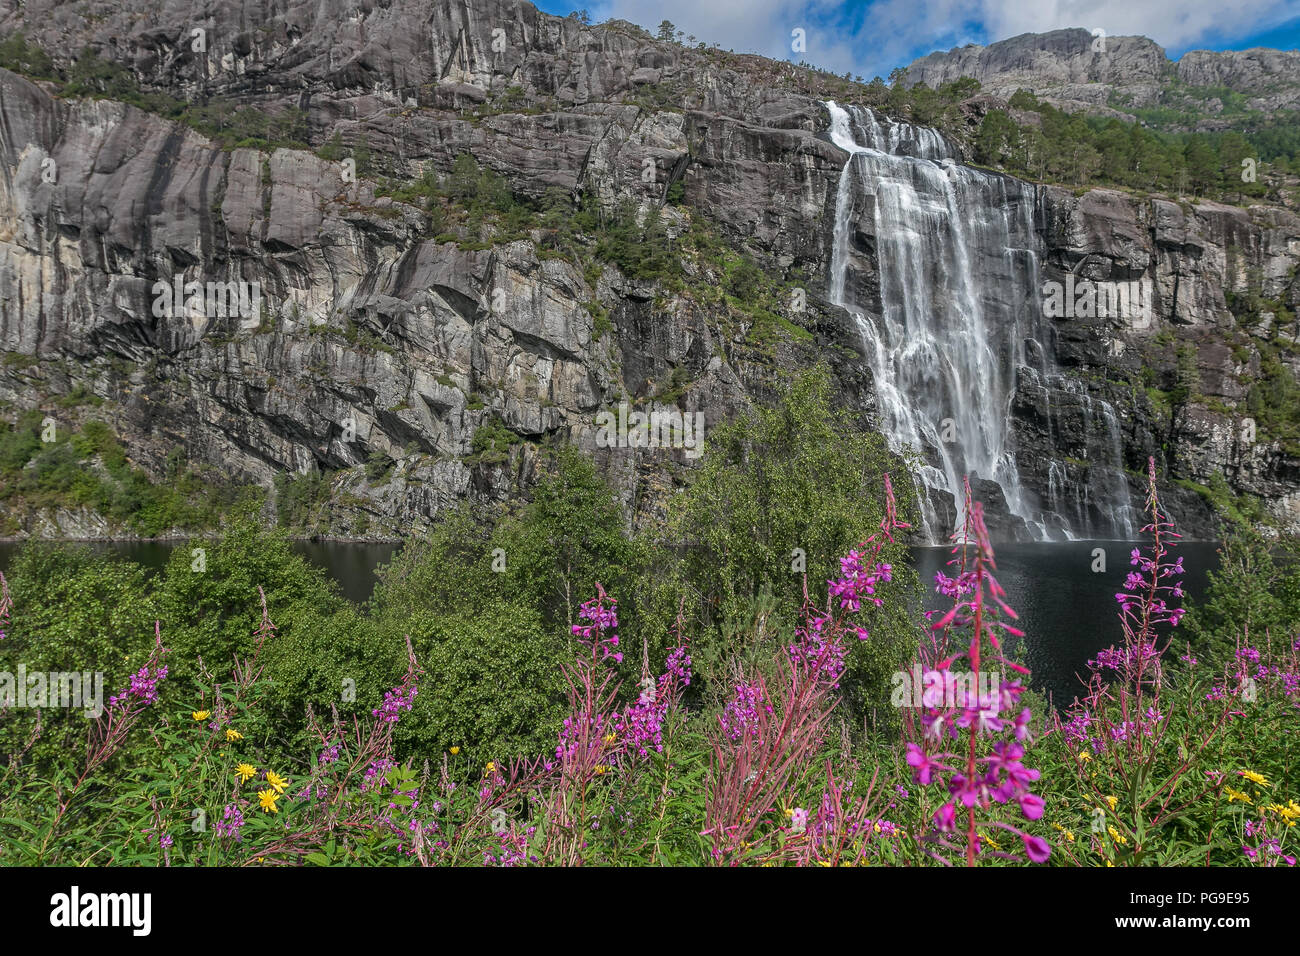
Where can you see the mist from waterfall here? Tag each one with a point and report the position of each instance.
(957, 255)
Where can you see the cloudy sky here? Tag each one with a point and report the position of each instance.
(871, 37)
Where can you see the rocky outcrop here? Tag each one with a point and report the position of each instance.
(1073, 59)
(1256, 71)
(1079, 70)
(1190, 259)
(373, 341)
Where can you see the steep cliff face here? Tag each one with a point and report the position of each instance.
(375, 340)
(1192, 260)
(418, 371)
(1069, 65)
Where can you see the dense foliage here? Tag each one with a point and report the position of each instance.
(542, 685)
(1046, 143)
(48, 462)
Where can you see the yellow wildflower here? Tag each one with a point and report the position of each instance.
(601, 768)
(1112, 802)
(232, 735)
(201, 714)
(610, 737)
(1253, 777)
(276, 781)
(1117, 836)
(245, 772)
(454, 751)
(490, 768)
(266, 799)
(1084, 756)
(1289, 813)
(1236, 795)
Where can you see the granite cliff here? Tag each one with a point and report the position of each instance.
(414, 367)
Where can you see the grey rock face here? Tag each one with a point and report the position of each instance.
(1247, 71)
(1191, 257)
(1077, 70)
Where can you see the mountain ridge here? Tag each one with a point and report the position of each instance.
(1073, 68)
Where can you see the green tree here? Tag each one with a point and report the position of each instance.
(208, 594)
(492, 683)
(18, 55)
(783, 488)
(1250, 598)
(1022, 100)
(1202, 165)
(995, 139)
(75, 610)
(570, 536)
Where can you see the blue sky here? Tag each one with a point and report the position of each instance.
(870, 37)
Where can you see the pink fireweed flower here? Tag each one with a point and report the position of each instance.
(144, 687)
(1031, 806)
(601, 619)
(741, 715)
(6, 606)
(922, 766)
(640, 725)
(231, 823)
(1021, 724)
(858, 581)
(1036, 848)
(395, 701)
(817, 650)
(976, 785)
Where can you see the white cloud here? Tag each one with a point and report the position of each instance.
(1176, 26)
(871, 39)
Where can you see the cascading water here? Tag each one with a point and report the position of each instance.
(956, 253)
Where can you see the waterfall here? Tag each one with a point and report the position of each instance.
(957, 261)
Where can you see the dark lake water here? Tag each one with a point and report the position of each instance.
(1067, 610)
